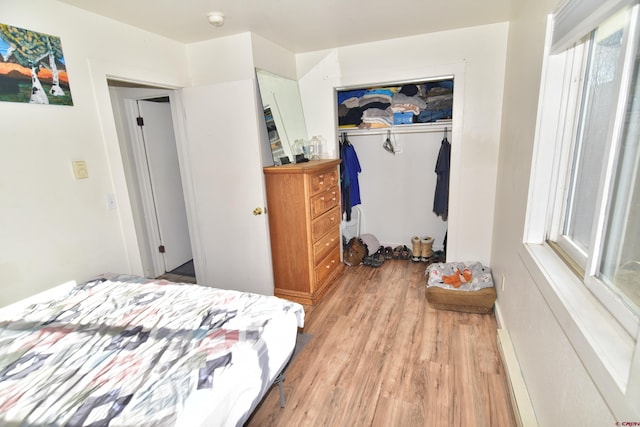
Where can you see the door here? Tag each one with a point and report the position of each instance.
(161, 160)
(226, 167)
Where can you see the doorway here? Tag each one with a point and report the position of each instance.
(146, 134)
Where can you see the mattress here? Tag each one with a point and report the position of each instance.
(241, 388)
(129, 351)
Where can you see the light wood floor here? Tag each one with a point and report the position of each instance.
(380, 356)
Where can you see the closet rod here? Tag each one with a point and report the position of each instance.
(438, 127)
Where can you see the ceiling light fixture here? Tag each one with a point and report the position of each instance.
(216, 19)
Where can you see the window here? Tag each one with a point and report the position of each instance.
(597, 223)
(582, 235)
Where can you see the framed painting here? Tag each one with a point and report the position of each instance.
(32, 68)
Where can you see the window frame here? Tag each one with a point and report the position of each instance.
(587, 264)
(610, 353)
(572, 93)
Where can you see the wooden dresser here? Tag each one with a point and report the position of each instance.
(303, 207)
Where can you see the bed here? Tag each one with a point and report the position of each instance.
(122, 350)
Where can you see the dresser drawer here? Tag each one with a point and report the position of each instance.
(324, 223)
(320, 203)
(323, 180)
(322, 247)
(327, 266)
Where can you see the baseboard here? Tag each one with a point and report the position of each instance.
(522, 407)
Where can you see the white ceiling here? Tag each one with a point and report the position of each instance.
(300, 25)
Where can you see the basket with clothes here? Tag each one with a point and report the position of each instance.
(460, 286)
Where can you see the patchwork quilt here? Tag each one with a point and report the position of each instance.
(125, 351)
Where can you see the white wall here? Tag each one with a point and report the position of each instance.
(397, 190)
(477, 57)
(55, 228)
(272, 57)
(561, 391)
(225, 59)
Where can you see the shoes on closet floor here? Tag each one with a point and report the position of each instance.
(396, 252)
(376, 259)
(417, 249)
(426, 251)
(439, 256)
(405, 253)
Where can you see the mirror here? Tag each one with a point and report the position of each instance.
(283, 115)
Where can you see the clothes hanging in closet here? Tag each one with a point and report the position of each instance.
(441, 197)
(349, 169)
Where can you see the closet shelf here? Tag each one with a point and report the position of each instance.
(439, 126)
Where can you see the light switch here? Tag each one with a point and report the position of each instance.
(80, 170)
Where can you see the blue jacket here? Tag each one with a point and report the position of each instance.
(350, 168)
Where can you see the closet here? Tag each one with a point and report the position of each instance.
(397, 132)
(303, 202)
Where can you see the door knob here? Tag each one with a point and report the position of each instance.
(257, 211)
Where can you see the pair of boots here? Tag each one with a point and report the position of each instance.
(422, 248)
